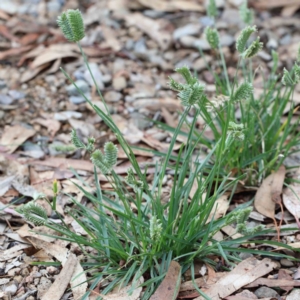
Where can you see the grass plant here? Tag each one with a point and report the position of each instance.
(132, 231)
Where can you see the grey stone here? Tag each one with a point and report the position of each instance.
(272, 44)
(8, 6)
(16, 95)
(202, 44)
(265, 292)
(264, 55)
(188, 41)
(140, 46)
(53, 6)
(2, 114)
(119, 83)
(140, 121)
(2, 84)
(79, 99)
(112, 96)
(33, 150)
(286, 263)
(244, 255)
(81, 84)
(28, 8)
(226, 40)
(43, 286)
(78, 74)
(129, 44)
(11, 289)
(5, 99)
(66, 115)
(97, 75)
(286, 39)
(154, 14)
(207, 21)
(231, 17)
(190, 29)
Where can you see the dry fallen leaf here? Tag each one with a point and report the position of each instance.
(170, 286)
(56, 291)
(268, 195)
(78, 282)
(246, 272)
(294, 295)
(263, 198)
(219, 209)
(154, 28)
(174, 5)
(51, 124)
(54, 52)
(12, 252)
(14, 136)
(123, 294)
(265, 4)
(291, 201)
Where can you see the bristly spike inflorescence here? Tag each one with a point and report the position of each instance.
(190, 93)
(242, 39)
(253, 49)
(243, 92)
(246, 13)
(33, 213)
(76, 141)
(71, 24)
(212, 37)
(211, 9)
(105, 162)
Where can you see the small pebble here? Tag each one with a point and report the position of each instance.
(119, 83)
(112, 96)
(11, 289)
(2, 84)
(265, 292)
(5, 99)
(79, 99)
(16, 95)
(272, 44)
(190, 29)
(81, 84)
(286, 263)
(33, 150)
(244, 255)
(97, 75)
(14, 271)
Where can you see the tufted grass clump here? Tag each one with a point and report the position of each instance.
(133, 231)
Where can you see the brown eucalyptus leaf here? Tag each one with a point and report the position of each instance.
(270, 189)
(291, 200)
(170, 286)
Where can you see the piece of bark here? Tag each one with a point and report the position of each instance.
(244, 273)
(61, 282)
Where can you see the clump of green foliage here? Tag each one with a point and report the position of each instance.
(145, 233)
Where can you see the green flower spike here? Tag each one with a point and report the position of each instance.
(246, 13)
(33, 213)
(212, 37)
(105, 162)
(287, 78)
(244, 92)
(297, 73)
(253, 49)
(243, 38)
(76, 141)
(212, 9)
(71, 24)
(191, 92)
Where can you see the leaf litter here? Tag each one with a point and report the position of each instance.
(144, 47)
